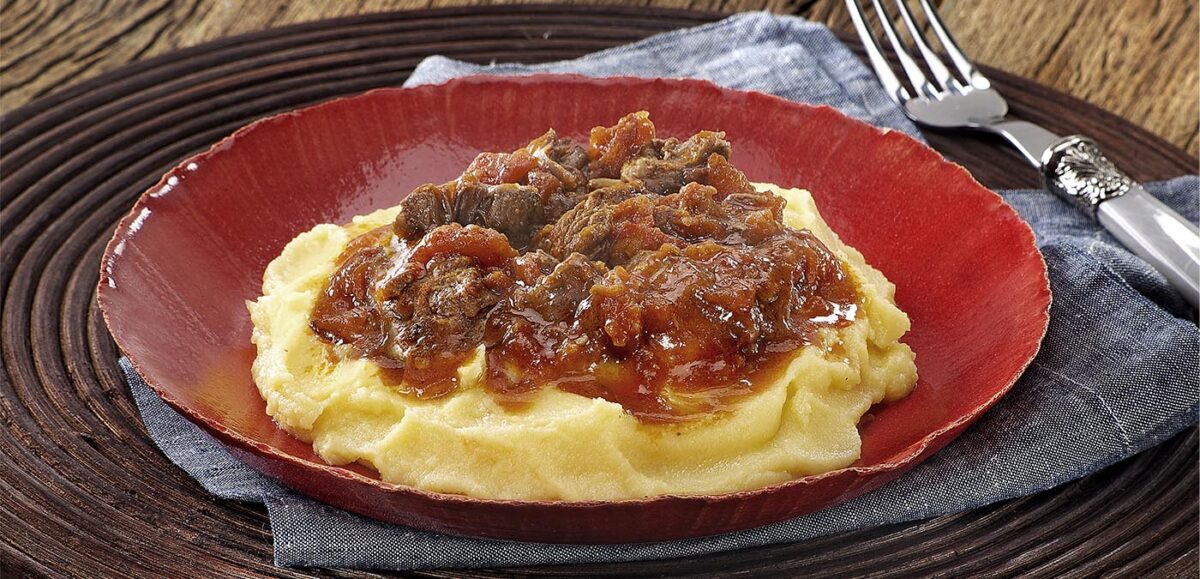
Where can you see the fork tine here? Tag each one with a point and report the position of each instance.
(915, 76)
(883, 70)
(932, 60)
(961, 62)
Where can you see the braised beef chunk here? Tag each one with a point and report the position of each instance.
(694, 214)
(526, 269)
(696, 150)
(587, 228)
(514, 210)
(568, 154)
(441, 322)
(447, 304)
(671, 170)
(424, 209)
(537, 327)
(564, 152)
(617, 223)
(698, 213)
(557, 296)
(558, 204)
(559, 176)
(645, 271)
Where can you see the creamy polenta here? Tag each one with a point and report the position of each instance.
(564, 446)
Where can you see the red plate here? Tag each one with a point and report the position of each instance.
(181, 265)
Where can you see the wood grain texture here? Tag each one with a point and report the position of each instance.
(84, 492)
(1138, 59)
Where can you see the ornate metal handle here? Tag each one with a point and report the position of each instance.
(1075, 169)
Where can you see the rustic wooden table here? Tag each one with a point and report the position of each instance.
(81, 477)
(1135, 58)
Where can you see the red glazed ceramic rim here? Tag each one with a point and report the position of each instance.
(880, 473)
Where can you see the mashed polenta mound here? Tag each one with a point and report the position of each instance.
(560, 445)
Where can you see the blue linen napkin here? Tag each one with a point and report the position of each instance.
(1117, 363)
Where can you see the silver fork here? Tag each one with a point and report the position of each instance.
(1072, 167)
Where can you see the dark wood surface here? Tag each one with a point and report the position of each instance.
(83, 490)
(1135, 58)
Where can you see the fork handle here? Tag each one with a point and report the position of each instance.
(1075, 169)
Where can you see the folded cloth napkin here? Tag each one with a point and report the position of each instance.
(1117, 363)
